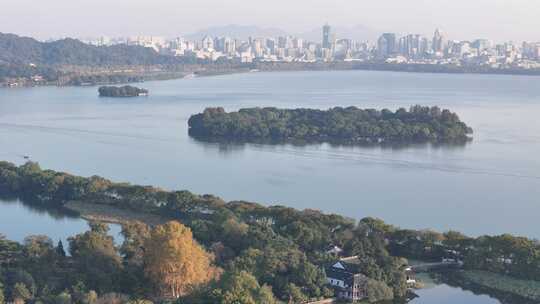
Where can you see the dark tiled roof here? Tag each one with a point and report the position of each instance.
(339, 274)
(351, 267)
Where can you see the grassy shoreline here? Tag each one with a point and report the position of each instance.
(505, 288)
(112, 215)
(524, 288)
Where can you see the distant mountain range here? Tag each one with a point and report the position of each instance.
(237, 31)
(359, 32)
(23, 50)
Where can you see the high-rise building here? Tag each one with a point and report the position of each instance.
(425, 46)
(298, 43)
(410, 46)
(439, 42)
(271, 44)
(386, 45)
(258, 46)
(482, 44)
(531, 50)
(285, 42)
(225, 45)
(327, 37)
(208, 43)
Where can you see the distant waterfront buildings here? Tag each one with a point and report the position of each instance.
(388, 48)
(439, 42)
(386, 45)
(327, 37)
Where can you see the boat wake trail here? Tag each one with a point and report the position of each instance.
(78, 132)
(381, 159)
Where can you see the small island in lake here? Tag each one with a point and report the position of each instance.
(349, 125)
(125, 91)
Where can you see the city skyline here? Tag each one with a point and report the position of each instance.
(501, 20)
(390, 48)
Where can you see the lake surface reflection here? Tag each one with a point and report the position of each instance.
(444, 294)
(19, 220)
(488, 186)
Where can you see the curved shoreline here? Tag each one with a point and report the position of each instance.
(112, 215)
(460, 279)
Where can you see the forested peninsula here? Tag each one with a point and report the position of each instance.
(240, 252)
(349, 125)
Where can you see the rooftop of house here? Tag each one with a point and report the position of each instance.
(345, 269)
(333, 247)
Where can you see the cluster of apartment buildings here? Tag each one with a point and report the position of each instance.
(285, 48)
(389, 48)
(414, 48)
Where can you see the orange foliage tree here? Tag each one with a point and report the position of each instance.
(175, 262)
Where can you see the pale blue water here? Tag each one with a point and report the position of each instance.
(444, 294)
(489, 186)
(17, 221)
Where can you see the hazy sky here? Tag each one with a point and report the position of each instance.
(462, 19)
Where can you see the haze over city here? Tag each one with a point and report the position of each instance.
(499, 20)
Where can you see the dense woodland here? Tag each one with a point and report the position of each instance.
(124, 91)
(24, 58)
(257, 254)
(81, 80)
(21, 50)
(250, 253)
(341, 125)
(8, 71)
(518, 257)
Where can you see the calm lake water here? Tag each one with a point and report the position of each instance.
(489, 186)
(18, 220)
(444, 294)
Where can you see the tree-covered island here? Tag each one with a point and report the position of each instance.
(125, 91)
(232, 252)
(349, 125)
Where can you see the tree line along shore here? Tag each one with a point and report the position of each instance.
(268, 254)
(349, 125)
(27, 62)
(23, 75)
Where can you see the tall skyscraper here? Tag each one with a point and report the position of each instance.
(271, 44)
(439, 41)
(386, 45)
(410, 46)
(327, 37)
(229, 46)
(298, 43)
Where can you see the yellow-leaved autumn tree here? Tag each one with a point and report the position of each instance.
(175, 262)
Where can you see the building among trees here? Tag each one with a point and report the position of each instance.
(346, 278)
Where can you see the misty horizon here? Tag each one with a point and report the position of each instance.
(498, 20)
(314, 34)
